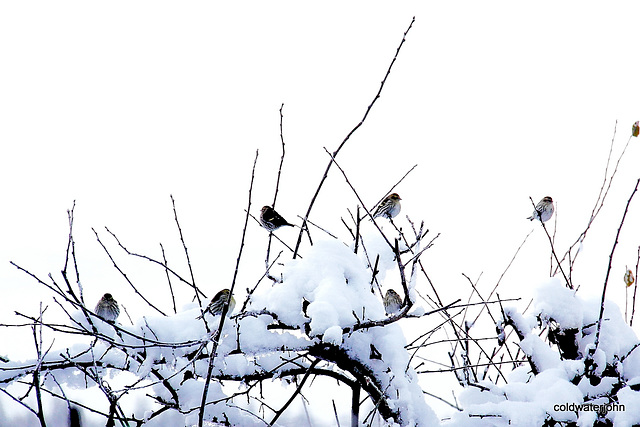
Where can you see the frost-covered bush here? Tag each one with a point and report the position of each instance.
(564, 381)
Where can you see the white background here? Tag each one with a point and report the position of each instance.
(118, 105)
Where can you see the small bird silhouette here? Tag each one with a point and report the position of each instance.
(107, 308)
(543, 211)
(389, 207)
(218, 302)
(272, 220)
(392, 302)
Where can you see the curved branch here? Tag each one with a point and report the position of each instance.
(344, 141)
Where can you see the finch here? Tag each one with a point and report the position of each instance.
(389, 207)
(392, 302)
(108, 308)
(272, 220)
(218, 302)
(543, 210)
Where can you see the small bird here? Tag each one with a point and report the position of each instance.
(392, 302)
(108, 308)
(543, 211)
(635, 129)
(272, 220)
(389, 207)
(218, 302)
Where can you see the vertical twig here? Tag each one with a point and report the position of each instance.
(225, 308)
(275, 194)
(357, 236)
(344, 141)
(186, 251)
(335, 412)
(36, 371)
(166, 271)
(613, 249)
(553, 251)
(355, 405)
(635, 289)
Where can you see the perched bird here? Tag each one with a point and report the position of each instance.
(108, 308)
(543, 211)
(218, 302)
(392, 302)
(272, 220)
(635, 129)
(389, 207)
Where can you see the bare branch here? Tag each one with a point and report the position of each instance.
(225, 309)
(606, 279)
(344, 141)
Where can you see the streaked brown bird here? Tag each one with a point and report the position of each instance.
(544, 210)
(389, 207)
(108, 308)
(272, 220)
(392, 302)
(218, 302)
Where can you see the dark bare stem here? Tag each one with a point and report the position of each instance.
(36, 372)
(553, 251)
(635, 289)
(504, 272)
(166, 271)
(184, 245)
(319, 228)
(125, 276)
(344, 141)
(335, 412)
(333, 160)
(355, 405)
(600, 199)
(357, 236)
(275, 196)
(251, 291)
(225, 308)
(395, 185)
(295, 393)
(613, 249)
(154, 261)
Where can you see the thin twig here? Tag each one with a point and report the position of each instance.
(166, 271)
(164, 265)
(295, 393)
(635, 289)
(275, 195)
(186, 251)
(344, 141)
(225, 308)
(125, 275)
(395, 185)
(553, 251)
(613, 249)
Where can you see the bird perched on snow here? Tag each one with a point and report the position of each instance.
(272, 220)
(108, 308)
(389, 207)
(392, 302)
(543, 211)
(218, 302)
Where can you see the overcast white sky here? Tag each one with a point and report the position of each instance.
(118, 105)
